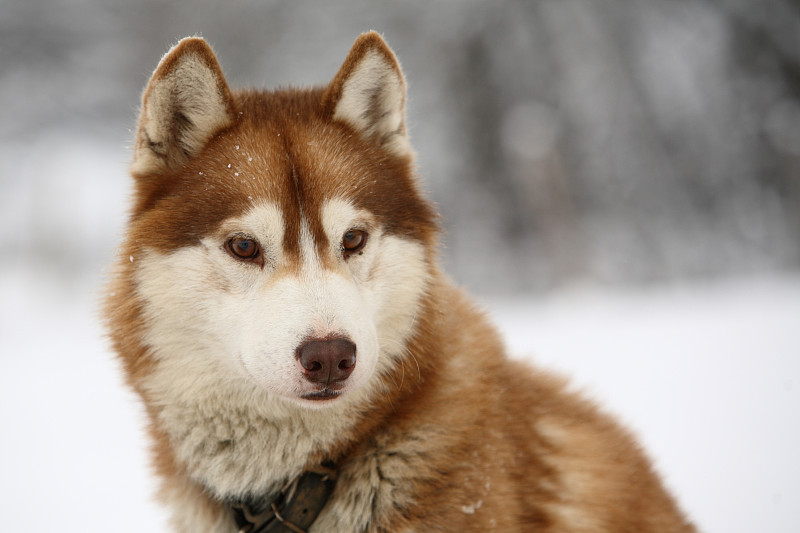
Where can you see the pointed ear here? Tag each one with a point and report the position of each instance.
(185, 103)
(369, 94)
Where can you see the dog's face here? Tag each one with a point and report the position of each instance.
(278, 237)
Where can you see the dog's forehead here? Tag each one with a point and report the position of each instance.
(298, 166)
(298, 163)
(293, 166)
(286, 154)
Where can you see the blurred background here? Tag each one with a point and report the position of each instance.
(621, 141)
(619, 182)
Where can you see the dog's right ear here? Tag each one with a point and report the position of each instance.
(185, 103)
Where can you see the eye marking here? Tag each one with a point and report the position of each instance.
(353, 242)
(245, 248)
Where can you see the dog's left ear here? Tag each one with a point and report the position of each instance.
(369, 94)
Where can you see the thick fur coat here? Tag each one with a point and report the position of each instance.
(269, 227)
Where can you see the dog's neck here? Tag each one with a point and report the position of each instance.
(237, 441)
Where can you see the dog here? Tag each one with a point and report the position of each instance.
(304, 363)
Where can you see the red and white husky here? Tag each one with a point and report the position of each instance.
(304, 364)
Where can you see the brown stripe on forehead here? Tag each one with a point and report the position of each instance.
(294, 209)
(302, 206)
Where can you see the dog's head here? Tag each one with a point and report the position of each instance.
(277, 237)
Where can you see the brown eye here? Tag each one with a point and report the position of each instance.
(244, 248)
(353, 241)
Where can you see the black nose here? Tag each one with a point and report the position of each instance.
(327, 361)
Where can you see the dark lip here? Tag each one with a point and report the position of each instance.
(321, 395)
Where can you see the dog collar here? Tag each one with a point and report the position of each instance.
(292, 511)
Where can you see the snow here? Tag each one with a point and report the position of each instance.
(72, 455)
(708, 375)
(470, 509)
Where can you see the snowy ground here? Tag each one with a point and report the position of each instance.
(708, 375)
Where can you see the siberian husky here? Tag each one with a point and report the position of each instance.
(304, 363)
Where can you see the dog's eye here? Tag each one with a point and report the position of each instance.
(353, 241)
(245, 249)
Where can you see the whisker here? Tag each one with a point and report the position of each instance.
(419, 370)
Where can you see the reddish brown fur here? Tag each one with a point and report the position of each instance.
(506, 435)
(276, 129)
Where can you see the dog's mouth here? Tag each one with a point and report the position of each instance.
(322, 395)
